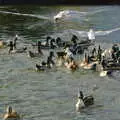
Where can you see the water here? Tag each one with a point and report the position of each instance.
(52, 95)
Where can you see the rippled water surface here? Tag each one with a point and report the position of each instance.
(52, 95)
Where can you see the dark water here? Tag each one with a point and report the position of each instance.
(52, 95)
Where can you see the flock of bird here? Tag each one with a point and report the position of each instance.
(103, 61)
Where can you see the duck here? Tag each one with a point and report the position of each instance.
(84, 101)
(91, 66)
(87, 64)
(11, 114)
(20, 50)
(79, 47)
(107, 68)
(59, 42)
(12, 49)
(74, 40)
(39, 52)
(46, 43)
(15, 40)
(50, 61)
(50, 45)
(41, 67)
(34, 54)
(60, 58)
(71, 65)
(61, 54)
(68, 52)
(46, 65)
(105, 73)
(75, 47)
(6, 43)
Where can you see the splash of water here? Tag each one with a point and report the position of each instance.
(67, 14)
(67, 34)
(97, 33)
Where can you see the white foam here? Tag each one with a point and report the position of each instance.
(67, 34)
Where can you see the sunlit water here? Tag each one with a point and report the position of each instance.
(52, 95)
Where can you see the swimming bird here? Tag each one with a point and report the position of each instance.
(15, 40)
(88, 64)
(52, 44)
(14, 50)
(107, 67)
(60, 58)
(11, 114)
(71, 64)
(47, 45)
(39, 52)
(61, 54)
(104, 73)
(74, 45)
(50, 61)
(11, 47)
(47, 41)
(107, 53)
(91, 66)
(34, 54)
(6, 43)
(84, 101)
(69, 54)
(59, 42)
(79, 47)
(46, 65)
(41, 67)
